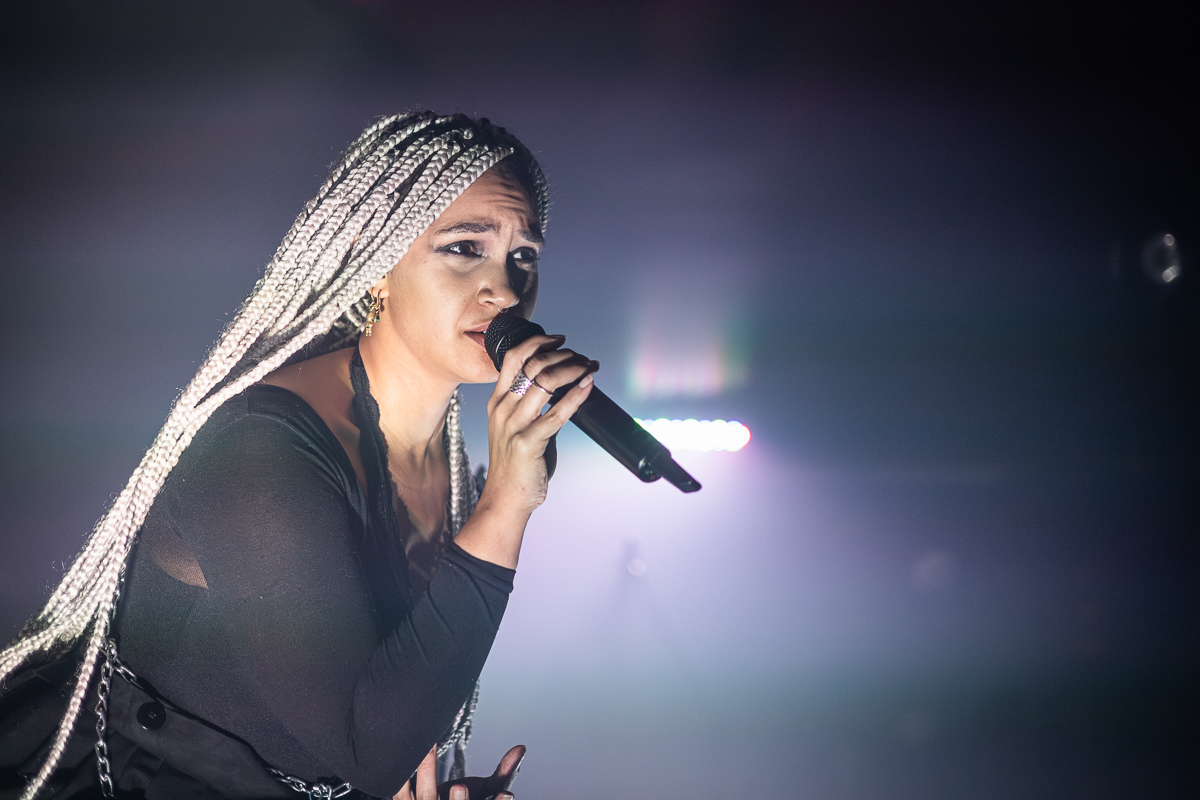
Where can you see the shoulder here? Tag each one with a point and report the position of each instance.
(323, 383)
(262, 473)
(266, 425)
(265, 408)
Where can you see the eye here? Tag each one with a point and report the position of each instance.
(467, 248)
(524, 257)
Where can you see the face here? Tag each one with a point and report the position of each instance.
(477, 259)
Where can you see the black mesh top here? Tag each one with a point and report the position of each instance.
(267, 596)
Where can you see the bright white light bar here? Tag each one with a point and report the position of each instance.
(698, 434)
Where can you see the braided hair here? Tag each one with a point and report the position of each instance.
(384, 192)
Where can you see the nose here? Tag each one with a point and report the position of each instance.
(495, 288)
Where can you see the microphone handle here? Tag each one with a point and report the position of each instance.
(613, 429)
(608, 425)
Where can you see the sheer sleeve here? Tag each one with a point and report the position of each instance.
(282, 647)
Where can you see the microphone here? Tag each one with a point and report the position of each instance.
(599, 417)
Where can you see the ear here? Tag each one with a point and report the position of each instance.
(381, 289)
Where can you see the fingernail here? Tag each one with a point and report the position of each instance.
(587, 381)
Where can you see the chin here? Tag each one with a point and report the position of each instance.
(479, 369)
(481, 378)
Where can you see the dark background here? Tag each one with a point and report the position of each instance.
(900, 242)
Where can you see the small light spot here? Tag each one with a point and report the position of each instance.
(636, 567)
(1161, 258)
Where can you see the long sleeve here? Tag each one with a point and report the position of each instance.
(281, 645)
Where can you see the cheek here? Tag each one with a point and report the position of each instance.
(528, 297)
(428, 304)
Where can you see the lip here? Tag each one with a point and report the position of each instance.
(476, 334)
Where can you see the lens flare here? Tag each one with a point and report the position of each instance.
(698, 434)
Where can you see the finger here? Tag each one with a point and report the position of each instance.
(511, 763)
(547, 382)
(543, 360)
(513, 361)
(544, 379)
(405, 792)
(427, 777)
(546, 371)
(560, 413)
(472, 787)
(515, 358)
(563, 371)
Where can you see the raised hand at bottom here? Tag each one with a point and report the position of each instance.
(423, 784)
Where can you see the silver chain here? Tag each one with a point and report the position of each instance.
(102, 764)
(111, 663)
(315, 791)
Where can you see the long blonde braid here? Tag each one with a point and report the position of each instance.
(387, 188)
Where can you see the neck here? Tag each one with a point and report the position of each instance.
(412, 402)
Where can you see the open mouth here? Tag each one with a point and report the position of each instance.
(476, 337)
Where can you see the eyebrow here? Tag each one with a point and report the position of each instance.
(488, 227)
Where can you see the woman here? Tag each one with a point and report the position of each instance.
(307, 598)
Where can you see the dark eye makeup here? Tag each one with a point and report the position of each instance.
(465, 248)
(525, 257)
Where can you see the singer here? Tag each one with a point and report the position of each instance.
(296, 591)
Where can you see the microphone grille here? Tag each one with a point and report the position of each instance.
(506, 332)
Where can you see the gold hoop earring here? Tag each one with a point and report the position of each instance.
(373, 312)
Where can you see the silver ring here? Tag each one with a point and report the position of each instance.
(521, 384)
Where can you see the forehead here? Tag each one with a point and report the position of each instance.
(493, 198)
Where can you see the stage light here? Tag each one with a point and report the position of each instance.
(701, 434)
(685, 345)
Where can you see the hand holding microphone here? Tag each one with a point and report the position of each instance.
(598, 416)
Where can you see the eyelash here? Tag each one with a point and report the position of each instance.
(474, 252)
(450, 249)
